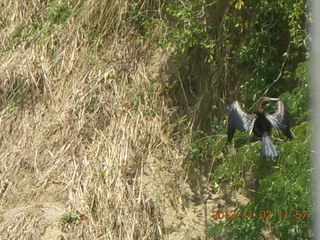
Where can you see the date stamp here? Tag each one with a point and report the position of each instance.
(219, 215)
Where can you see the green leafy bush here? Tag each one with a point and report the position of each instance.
(298, 100)
(283, 192)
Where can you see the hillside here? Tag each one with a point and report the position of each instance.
(113, 121)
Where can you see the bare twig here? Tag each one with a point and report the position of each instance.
(276, 80)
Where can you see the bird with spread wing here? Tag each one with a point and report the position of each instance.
(260, 122)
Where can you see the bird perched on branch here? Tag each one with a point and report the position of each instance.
(260, 123)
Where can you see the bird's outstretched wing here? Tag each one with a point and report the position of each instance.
(238, 119)
(280, 119)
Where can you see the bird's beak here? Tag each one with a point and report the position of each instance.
(273, 99)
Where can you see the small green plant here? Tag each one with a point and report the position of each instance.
(13, 38)
(58, 13)
(16, 37)
(205, 146)
(71, 218)
(136, 14)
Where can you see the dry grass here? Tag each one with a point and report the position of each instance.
(88, 128)
(83, 129)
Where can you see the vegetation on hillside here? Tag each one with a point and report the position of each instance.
(107, 107)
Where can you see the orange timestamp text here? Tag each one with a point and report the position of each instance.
(259, 215)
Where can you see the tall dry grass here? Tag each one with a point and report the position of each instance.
(83, 129)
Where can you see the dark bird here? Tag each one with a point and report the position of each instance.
(260, 122)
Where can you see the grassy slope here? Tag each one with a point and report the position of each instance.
(80, 125)
(91, 147)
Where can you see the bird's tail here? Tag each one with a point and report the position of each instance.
(268, 149)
